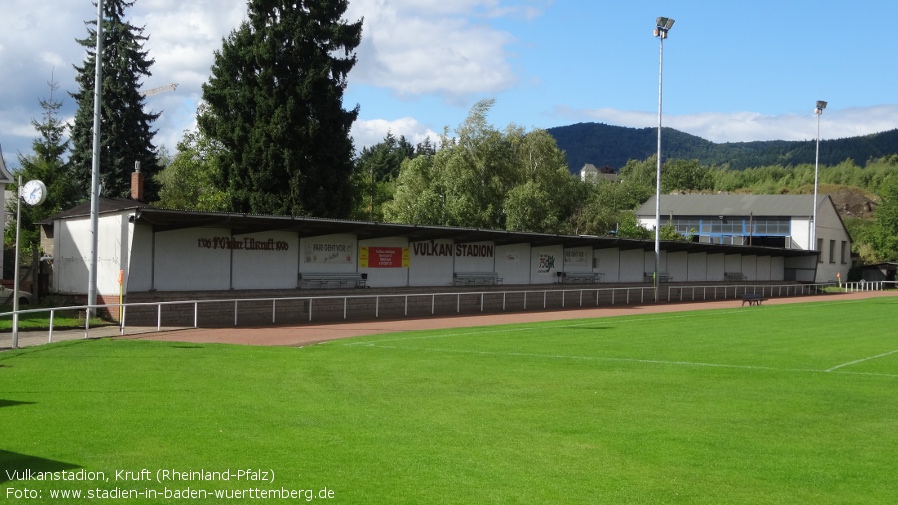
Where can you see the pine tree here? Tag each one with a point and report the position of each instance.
(126, 135)
(47, 165)
(275, 105)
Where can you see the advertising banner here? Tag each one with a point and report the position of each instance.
(384, 257)
(332, 252)
(546, 263)
(576, 257)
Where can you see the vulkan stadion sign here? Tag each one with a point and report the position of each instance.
(434, 248)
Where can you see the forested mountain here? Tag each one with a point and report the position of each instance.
(607, 145)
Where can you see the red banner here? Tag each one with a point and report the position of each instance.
(384, 257)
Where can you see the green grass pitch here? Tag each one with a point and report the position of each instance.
(775, 404)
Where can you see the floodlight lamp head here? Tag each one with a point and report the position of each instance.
(662, 25)
(665, 23)
(820, 106)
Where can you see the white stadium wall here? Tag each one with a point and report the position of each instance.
(733, 263)
(750, 267)
(139, 276)
(266, 260)
(607, 263)
(762, 269)
(698, 268)
(777, 264)
(632, 265)
(715, 266)
(511, 263)
(431, 263)
(192, 259)
(677, 266)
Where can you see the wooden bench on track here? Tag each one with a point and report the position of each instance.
(752, 299)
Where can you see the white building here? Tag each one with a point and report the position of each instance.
(782, 221)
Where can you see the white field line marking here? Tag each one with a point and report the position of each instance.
(622, 360)
(861, 360)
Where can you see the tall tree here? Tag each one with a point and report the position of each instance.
(485, 178)
(545, 193)
(375, 173)
(685, 175)
(188, 182)
(47, 165)
(884, 233)
(276, 106)
(126, 135)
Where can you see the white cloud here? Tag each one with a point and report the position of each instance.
(411, 48)
(473, 8)
(369, 132)
(432, 47)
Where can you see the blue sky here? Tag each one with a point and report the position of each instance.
(733, 71)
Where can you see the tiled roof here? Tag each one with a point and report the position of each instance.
(733, 205)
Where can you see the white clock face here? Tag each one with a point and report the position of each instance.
(34, 192)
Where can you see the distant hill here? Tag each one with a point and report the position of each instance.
(602, 144)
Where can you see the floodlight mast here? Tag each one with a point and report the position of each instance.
(813, 242)
(95, 167)
(662, 26)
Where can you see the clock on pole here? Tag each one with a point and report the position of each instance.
(34, 192)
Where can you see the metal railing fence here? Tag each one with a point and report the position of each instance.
(345, 307)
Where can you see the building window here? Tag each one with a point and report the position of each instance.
(844, 252)
(832, 251)
(820, 250)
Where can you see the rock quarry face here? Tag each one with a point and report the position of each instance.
(853, 203)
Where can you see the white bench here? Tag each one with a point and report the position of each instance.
(662, 277)
(332, 280)
(477, 278)
(578, 277)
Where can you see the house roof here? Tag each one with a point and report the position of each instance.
(164, 220)
(104, 205)
(590, 170)
(733, 205)
(5, 175)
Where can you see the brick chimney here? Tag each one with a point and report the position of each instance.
(137, 183)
